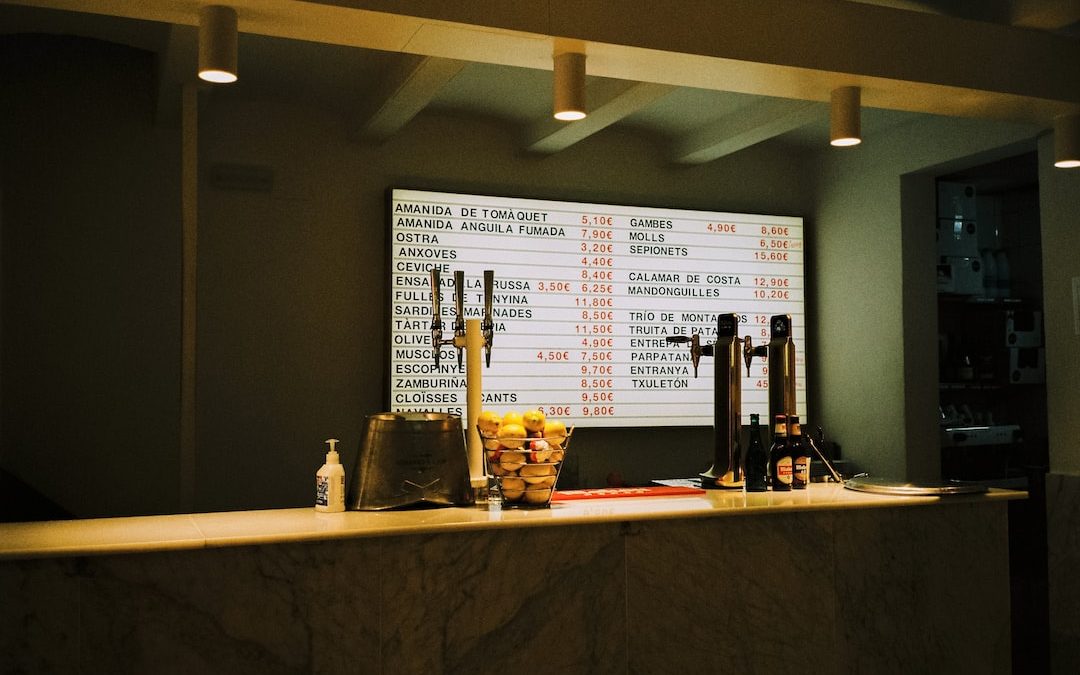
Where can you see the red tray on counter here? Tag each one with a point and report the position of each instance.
(612, 493)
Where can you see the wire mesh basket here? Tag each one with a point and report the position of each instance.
(523, 472)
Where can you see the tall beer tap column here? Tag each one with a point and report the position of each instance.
(474, 337)
(726, 470)
(780, 352)
(474, 344)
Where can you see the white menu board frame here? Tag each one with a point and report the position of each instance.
(585, 296)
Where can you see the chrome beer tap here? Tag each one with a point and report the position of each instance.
(459, 313)
(460, 340)
(488, 326)
(726, 470)
(469, 336)
(436, 315)
(780, 352)
(696, 349)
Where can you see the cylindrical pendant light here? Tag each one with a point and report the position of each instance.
(845, 124)
(569, 95)
(1067, 141)
(217, 44)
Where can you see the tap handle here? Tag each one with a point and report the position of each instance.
(681, 340)
(696, 350)
(459, 311)
(489, 289)
(436, 304)
(459, 302)
(488, 325)
(436, 316)
(750, 351)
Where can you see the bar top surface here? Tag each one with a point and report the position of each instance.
(140, 534)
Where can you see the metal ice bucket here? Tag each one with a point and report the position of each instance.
(411, 458)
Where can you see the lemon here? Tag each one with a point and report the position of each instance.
(533, 420)
(511, 460)
(512, 489)
(511, 435)
(489, 423)
(513, 417)
(540, 496)
(555, 432)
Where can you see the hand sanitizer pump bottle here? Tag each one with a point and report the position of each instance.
(330, 482)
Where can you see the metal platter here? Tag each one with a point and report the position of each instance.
(881, 486)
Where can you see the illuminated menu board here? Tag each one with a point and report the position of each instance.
(585, 296)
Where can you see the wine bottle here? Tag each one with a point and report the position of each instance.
(757, 459)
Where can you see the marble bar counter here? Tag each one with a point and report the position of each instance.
(827, 580)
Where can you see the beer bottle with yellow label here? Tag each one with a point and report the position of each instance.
(800, 455)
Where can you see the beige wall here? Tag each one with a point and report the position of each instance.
(875, 380)
(1059, 204)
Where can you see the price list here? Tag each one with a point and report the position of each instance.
(585, 298)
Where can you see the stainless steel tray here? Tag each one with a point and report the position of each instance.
(884, 486)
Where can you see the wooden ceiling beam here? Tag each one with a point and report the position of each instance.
(608, 101)
(404, 93)
(748, 126)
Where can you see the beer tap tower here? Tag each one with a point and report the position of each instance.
(729, 350)
(780, 352)
(472, 336)
(726, 469)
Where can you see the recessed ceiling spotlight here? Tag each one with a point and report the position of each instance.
(569, 94)
(845, 123)
(1067, 141)
(217, 44)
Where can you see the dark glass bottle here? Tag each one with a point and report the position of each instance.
(780, 457)
(800, 455)
(757, 460)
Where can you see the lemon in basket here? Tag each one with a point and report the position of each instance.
(511, 435)
(489, 423)
(533, 421)
(555, 432)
